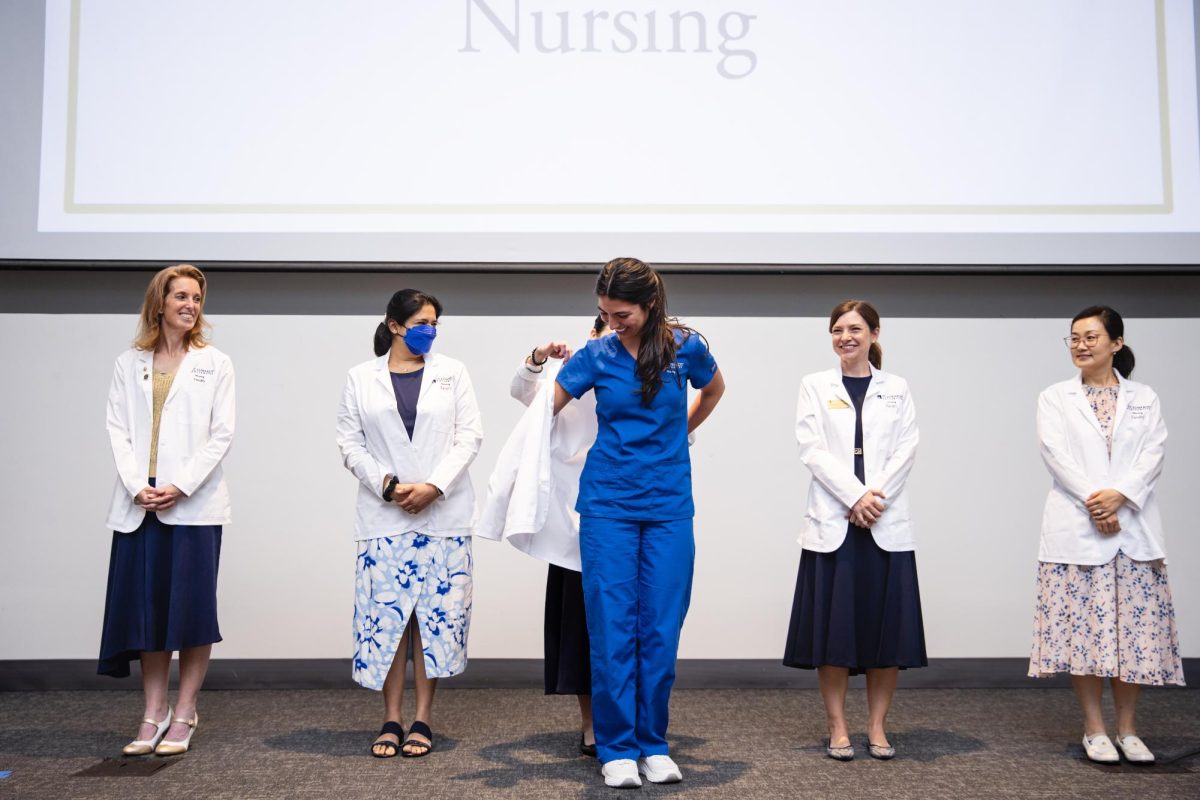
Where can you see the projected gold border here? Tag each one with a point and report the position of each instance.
(71, 206)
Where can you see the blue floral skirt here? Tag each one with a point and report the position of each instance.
(399, 576)
(162, 592)
(1113, 620)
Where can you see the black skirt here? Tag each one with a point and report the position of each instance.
(568, 659)
(858, 607)
(162, 592)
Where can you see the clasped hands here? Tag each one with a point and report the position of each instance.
(153, 499)
(1102, 506)
(866, 512)
(412, 497)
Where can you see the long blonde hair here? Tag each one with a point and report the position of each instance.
(149, 333)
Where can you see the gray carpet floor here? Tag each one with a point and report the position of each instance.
(517, 743)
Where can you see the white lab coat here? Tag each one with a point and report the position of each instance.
(446, 439)
(1073, 448)
(194, 434)
(825, 430)
(532, 491)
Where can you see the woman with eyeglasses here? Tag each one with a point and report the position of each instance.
(408, 428)
(1104, 608)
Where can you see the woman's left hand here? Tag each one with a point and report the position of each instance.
(1104, 503)
(414, 497)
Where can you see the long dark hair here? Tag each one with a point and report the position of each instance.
(870, 316)
(634, 281)
(1114, 326)
(403, 305)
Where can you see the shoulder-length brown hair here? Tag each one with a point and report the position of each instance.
(149, 332)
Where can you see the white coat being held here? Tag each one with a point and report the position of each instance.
(446, 438)
(194, 434)
(1074, 450)
(825, 422)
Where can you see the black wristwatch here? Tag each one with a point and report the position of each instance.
(391, 487)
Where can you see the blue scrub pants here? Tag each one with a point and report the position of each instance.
(637, 582)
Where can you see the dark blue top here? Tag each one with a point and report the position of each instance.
(408, 389)
(857, 387)
(639, 467)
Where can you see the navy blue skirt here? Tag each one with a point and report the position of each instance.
(162, 592)
(568, 658)
(858, 607)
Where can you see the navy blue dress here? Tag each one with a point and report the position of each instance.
(162, 592)
(858, 607)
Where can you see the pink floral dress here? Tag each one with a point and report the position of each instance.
(1113, 620)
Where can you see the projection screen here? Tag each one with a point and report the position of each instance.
(564, 131)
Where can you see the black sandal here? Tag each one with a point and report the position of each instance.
(396, 730)
(421, 729)
(585, 748)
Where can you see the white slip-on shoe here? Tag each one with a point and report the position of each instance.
(660, 769)
(621, 773)
(1135, 750)
(1099, 748)
(144, 747)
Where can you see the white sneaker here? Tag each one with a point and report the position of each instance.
(621, 773)
(660, 769)
(1099, 748)
(1135, 750)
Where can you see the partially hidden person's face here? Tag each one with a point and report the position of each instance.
(1091, 347)
(852, 338)
(181, 306)
(624, 319)
(599, 334)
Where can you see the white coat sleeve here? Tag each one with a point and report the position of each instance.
(525, 384)
(1138, 481)
(899, 464)
(119, 435)
(814, 452)
(197, 467)
(1052, 440)
(352, 441)
(468, 434)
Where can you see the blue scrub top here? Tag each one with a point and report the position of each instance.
(639, 467)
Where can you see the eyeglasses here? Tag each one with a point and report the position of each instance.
(1090, 340)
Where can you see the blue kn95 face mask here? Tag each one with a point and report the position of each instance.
(419, 338)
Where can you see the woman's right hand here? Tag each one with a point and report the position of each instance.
(867, 510)
(146, 497)
(551, 350)
(1107, 526)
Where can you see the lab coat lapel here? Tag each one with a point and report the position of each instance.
(432, 369)
(145, 377)
(1123, 393)
(837, 388)
(189, 360)
(1084, 407)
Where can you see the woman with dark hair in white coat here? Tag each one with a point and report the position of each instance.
(857, 606)
(408, 428)
(1104, 607)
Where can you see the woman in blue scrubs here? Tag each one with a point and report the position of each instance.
(635, 506)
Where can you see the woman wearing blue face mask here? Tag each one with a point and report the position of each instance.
(408, 428)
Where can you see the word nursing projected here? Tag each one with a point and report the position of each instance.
(487, 24)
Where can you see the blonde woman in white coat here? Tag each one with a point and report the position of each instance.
(857, 606)
(1104, 605)
(170, 423)
(408, 428)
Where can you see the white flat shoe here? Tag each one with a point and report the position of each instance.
(170, 747)
(1099, 748)
(1135, 750)
(621, 773)
(660, 769)
(143, 747)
